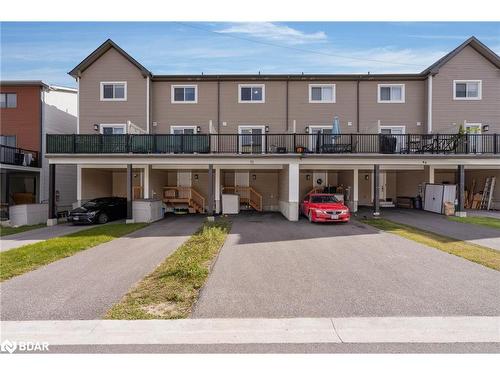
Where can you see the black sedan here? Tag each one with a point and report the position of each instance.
(99, 210)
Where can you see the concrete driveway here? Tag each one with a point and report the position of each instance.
(273, 268)
(87, 284)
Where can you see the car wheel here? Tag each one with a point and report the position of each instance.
(310, 216)
(102, 218)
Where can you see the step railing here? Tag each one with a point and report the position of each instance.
(247, 195)
(183, 193)
(255, 144)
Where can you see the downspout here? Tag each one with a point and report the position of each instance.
(218, 106)
(147, 103)
(357, 106)
(77, 105)
(429, 104)
(286, 107)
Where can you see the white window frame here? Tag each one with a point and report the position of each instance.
(241, 127)
(312, 143)
(176, 127)
(103, 99)
(172, 96)
(102, 126)
(322, 85)
(403, 94)
(479, 88)
(261, 85)
(380, 127)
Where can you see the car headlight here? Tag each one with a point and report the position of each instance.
(322, 212)
(343, 212)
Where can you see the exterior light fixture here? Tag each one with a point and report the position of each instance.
(267, 129)
(308, 177)
(254, 177)
(195, 176)
(96, 127)
(198, 129)
(307, 129)
(486, 128)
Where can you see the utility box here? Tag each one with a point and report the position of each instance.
(230, 204)
(436, 195)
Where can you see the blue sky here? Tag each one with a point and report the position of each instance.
(47, 51)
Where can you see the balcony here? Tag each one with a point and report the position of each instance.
(237, 144)
(19, 156)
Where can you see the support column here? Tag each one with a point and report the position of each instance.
(79, 185)
(130, 218)
(461, 192)
(376, 190)
(429, 174)
(146, 187)
(52, 219)
(355, 190)
(211, 196)
(293, 192)
(217, 191)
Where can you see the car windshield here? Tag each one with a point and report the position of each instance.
(323, 199)
(92, 203)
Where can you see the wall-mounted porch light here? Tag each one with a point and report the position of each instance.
(254, 177)
(96, 127)
(198, 129)
(307, 129)
(195, 176)
(308, 177)
(486, 128)
(267, 129)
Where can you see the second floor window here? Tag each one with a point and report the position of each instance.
(184, 94)
(113, 91)
(321, 93)
(251, 93)
(467, 90)
(394, 93)
(8, 100)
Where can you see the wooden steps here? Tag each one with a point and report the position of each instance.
(177, 196)
(248, 196)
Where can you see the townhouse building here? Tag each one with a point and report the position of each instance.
(29, 110)
(375, 138)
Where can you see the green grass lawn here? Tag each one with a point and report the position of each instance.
(7, 231)
(475, 253)
(29, 257)
(171, 290)
(478, 220)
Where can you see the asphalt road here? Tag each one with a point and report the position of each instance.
(272, 268)
(87, 284)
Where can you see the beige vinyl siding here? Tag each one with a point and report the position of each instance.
(111, 67)
(408, 113)
(96, 183)
(166, 113)
(447, 113)
(266, 184)
(307, 114)
(271, 113)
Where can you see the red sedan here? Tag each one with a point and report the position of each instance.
(324, 208)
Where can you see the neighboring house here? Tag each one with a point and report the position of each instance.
(269, 137)
(29, 110)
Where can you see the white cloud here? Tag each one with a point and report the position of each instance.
(274, 32)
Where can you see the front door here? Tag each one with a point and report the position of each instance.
(242, 179)
(320, 179)
(184, 179)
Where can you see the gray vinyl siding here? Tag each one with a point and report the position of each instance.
(111, 67)
(447, 113)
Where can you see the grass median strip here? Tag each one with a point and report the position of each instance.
(171, 290)
(475, 253)
(478, 220)
(7, 231)
(30, 257)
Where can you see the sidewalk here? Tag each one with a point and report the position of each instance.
(467, 329)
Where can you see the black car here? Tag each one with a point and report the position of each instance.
(99, 210)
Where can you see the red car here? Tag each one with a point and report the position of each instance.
(324, 208)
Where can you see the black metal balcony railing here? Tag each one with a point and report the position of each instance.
(273, 144)
(19, 156)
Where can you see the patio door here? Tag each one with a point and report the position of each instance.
(316, 140)
(474, 129)
(251, 139)
(397, 131)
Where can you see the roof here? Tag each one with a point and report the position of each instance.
(473, 42)
(433, 69)
(24, 83)
(101, 50)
